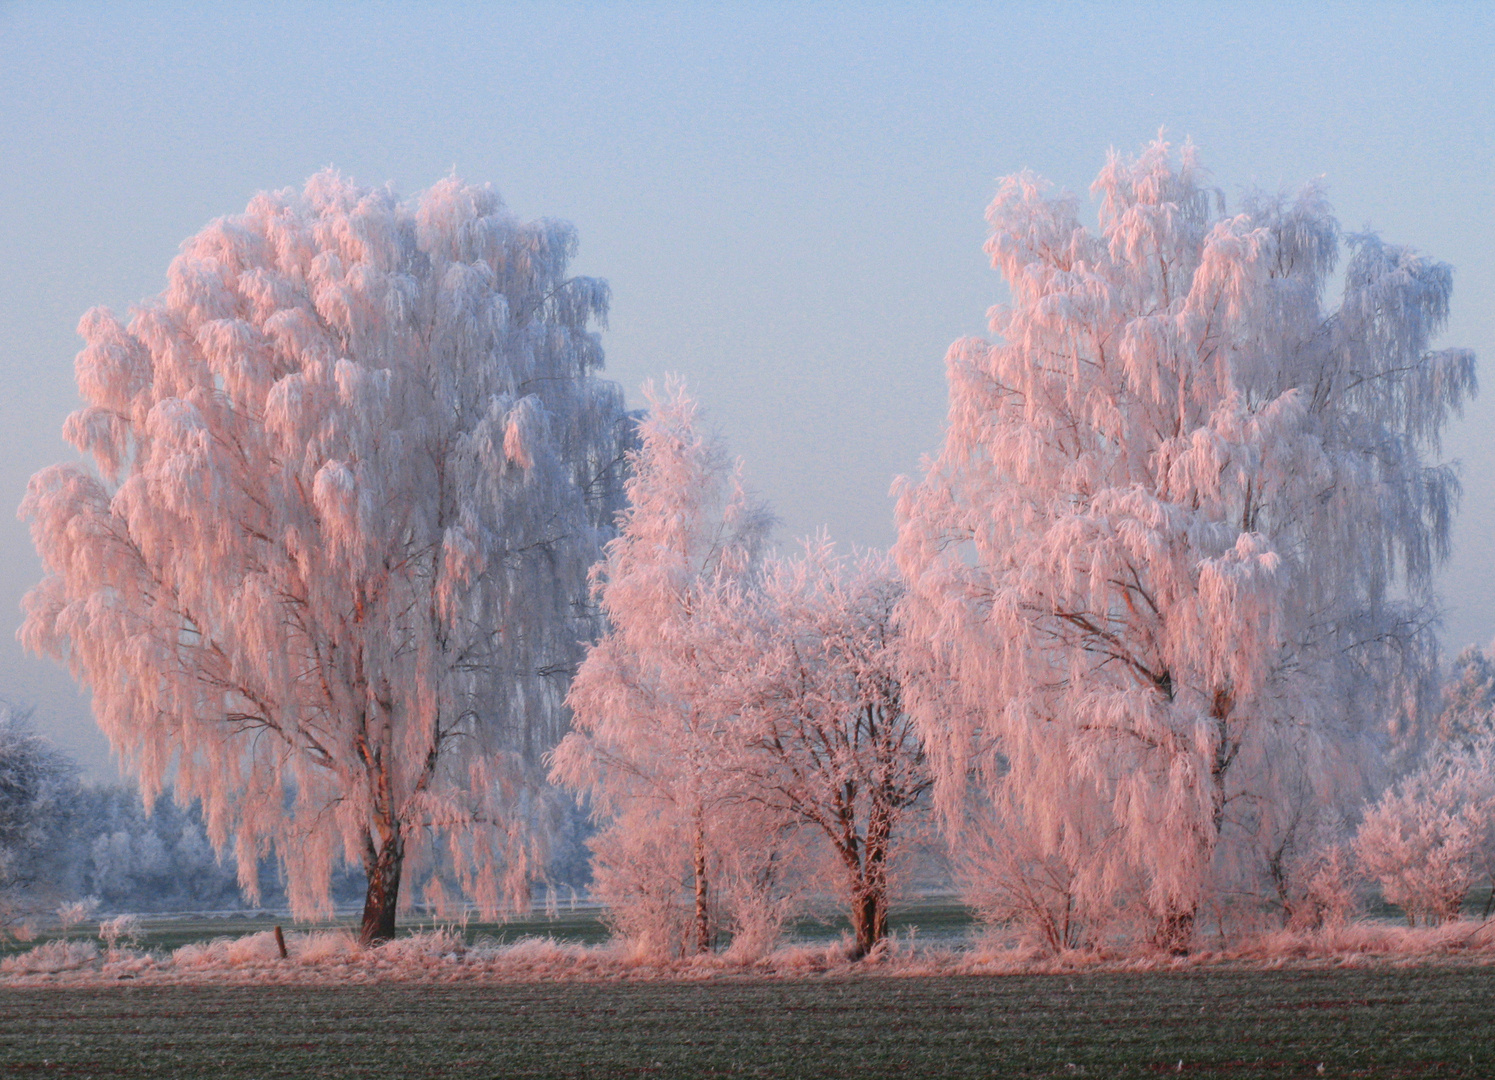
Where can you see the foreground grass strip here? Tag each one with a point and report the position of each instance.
(1432, 1022)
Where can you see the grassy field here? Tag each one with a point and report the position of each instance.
(163, 933)
(935, 919)
(931, 920)
(1427, 1022)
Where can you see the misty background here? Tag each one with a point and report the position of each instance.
(786, 200)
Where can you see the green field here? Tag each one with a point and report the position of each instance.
(1426, 1022)
(939, 919)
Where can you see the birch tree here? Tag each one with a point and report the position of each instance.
(1184, 517)
(325, 566)
(646, 747)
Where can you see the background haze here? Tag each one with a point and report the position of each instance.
(787, 200)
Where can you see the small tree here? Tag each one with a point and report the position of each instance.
(122, 928)
(1183, 515)
(1468, 715)
(71, 913)
(1299, 848)
(1429, 838)
(37, 782)
(810, 663)
(1432, 836)
(645, 749)
(328, 572)
(1055, 879)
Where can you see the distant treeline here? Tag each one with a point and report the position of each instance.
(64, 839)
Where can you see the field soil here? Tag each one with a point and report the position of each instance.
(1406, 1022)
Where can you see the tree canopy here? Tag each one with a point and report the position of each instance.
(1179, 540)
(327, 572)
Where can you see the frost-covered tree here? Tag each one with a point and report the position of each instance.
(130, 857)
(1468, 716)
(1299, 846)
(1432, 836)
(1184, 522)
(1048, 872)
(811, 668)
(645, 750)
(100, 844)
(36, 784)
(327, 569)
(1428, 839)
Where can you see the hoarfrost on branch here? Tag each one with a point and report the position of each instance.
(1179, 541)
(327, 573)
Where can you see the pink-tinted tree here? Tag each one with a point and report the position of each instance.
(1297, 845)
(647, 745)
(1050, 872)
(1432, 836)
(1429, 838)
(1467, 718)
(1183, 518)
(811, 668)
(328, 568)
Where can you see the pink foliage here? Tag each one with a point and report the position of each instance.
(327, 958)
(50, 958)
(1050, 878)
(350, 469)
(1431, 837)
(736, 719)
(647, 743)
(1159, 556)
(809, 663)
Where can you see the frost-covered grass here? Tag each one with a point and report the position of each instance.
(934, 919)
(1384, 1022)
(448, 955)
(167, 932)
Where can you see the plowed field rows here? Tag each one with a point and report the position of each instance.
(1426, 1022)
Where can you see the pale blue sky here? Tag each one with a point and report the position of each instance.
(787, 199)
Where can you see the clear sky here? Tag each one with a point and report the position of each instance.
(787, 199)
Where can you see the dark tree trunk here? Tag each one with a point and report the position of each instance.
(703, 914)
(869, 903)
(869, 922)
(383, 866)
